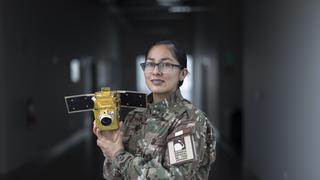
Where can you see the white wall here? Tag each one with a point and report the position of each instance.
(282, 89)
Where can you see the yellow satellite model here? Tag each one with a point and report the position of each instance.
(105, 105)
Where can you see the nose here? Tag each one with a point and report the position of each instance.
(156, 69)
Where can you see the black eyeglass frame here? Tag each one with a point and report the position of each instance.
(143, 65)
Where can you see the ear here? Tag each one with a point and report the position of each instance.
(183, 73)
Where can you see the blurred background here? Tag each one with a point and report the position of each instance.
(254, 70)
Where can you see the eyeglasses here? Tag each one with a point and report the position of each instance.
(148, 67)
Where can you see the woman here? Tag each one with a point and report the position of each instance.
(171, 138)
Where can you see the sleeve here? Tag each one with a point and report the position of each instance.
(109, 173)
(160, 167)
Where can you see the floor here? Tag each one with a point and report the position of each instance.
(83, 162)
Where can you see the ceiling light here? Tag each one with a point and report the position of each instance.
(167, 2)
(180, 9)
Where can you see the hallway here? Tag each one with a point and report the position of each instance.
(260, 58)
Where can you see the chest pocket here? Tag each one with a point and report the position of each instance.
(151, 139)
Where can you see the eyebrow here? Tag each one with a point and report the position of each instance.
(162, 59)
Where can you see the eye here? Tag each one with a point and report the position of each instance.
(167, 65)
(149, 64)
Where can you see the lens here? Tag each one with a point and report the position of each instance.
(105, 120)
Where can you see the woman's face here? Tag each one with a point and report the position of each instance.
(162, 82)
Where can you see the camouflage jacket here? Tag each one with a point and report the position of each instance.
(171, 139)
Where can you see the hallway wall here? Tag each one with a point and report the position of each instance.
(38, 41)
(230, 70)
(206, 65)
(2, 92)
(282, 100)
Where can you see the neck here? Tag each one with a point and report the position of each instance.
(159, 97)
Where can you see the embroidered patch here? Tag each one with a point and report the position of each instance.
(181, 149)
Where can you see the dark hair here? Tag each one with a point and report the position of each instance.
(177, 52)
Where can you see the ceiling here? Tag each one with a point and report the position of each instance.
(155, 14)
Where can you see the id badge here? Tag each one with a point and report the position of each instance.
(181, 149)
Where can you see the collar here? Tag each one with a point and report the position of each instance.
(161, 106)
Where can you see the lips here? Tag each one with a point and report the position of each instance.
(157, 81)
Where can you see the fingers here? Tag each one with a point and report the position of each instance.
(109, 147)
(113, 135)
(100, 143)
(99, 135)
(120, 125)
(119, 134)
(105, 144)
(94, 128)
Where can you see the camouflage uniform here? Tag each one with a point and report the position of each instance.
(146, 137)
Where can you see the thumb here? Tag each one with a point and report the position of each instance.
(120, 137)
(121, 124)
(120, 131)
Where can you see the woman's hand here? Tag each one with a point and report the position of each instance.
(109, 142)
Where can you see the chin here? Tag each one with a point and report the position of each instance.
(157, 90)
(161, 90)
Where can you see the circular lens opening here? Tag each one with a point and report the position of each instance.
(106, 121)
